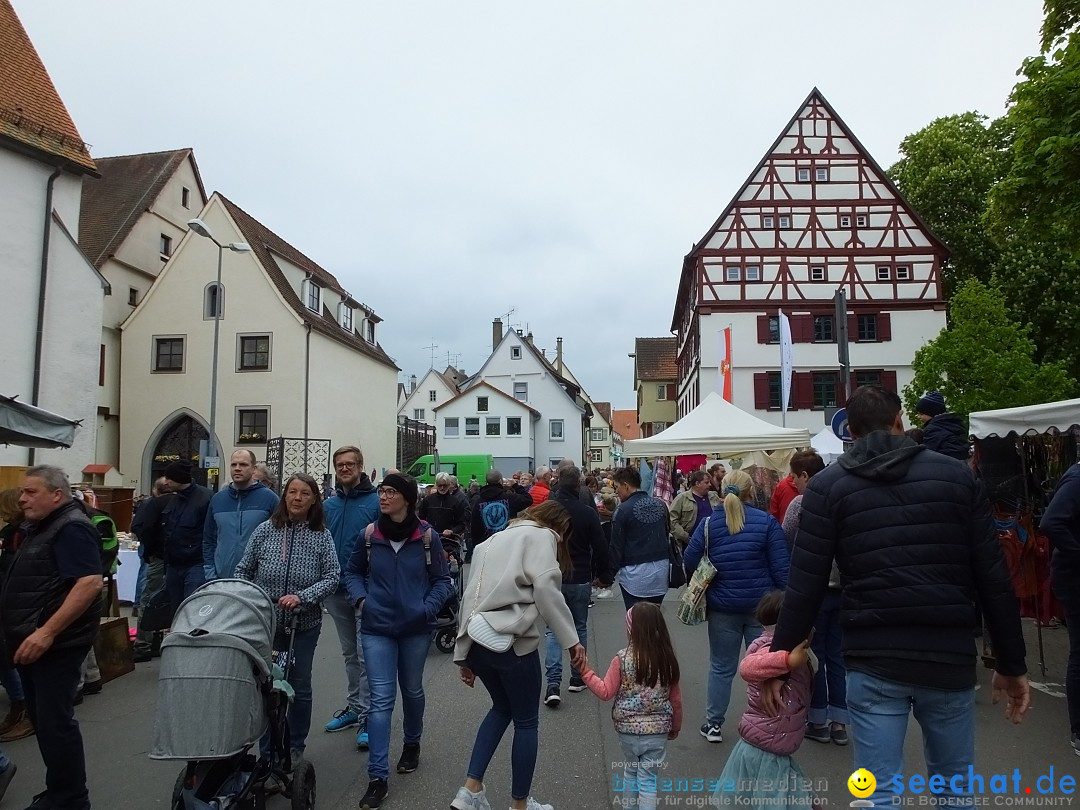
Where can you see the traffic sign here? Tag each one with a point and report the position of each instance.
(214, 471)
(840, 425)
(209, 462)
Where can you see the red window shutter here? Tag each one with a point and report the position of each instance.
(802, 328)
(671, 392)
(852, 328)
(884, 327)
(888, 379)
(761, 391)
(802, 389)
(762, 328)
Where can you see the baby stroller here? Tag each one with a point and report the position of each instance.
(217, 697)
(446, 623)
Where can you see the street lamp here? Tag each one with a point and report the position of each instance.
(201, 228)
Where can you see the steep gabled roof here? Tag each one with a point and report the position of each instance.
(490, 387)
(128, 186)
(655, 358)
(32, 115)
(604, 409)
(265, 243)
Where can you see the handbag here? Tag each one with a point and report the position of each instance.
(479, 629)
(676, 571)
(692, 603)
(158, 612)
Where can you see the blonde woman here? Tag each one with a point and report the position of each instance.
(751, 556)
(516, 584)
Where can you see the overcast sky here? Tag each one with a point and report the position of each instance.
(449, 161)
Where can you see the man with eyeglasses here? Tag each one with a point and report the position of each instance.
(353, 506)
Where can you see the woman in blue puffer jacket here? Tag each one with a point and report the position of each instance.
(751, 556)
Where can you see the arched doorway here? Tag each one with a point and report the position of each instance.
(180, 441)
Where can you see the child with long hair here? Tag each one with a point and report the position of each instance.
(761, 770)
(644, 680)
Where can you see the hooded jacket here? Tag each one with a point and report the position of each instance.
(348, 513)
(947, 435)
(184, 517)
(231, 518)
(515, 504)
(586, 542)
(911, 533)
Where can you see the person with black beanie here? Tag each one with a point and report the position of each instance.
(398, 579)
(184, 518)
(943, 432)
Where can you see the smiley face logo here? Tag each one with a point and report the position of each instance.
(861, 783)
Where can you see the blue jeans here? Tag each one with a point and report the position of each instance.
(300, 679)
(181, 581)
(643, 760)
(9, 679)
(879, 716)
(577, 599)
(629, 600)
(392, 661)
(514, 685)
(727, 633)
(829, 702)
(341, 610)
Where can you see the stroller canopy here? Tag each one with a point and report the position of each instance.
(233, 607)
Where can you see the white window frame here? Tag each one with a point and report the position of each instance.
(509, 421)
(345, 316)
(418, 414)
(310, 290)
(732, 272)
(861, 220)
(821, 174)
(596, 456)
(515, 352)
(523, 394)
(472, 422)
(785, 220)
(767, 221)
(818, 273)
(903, 272)
(432, 395)
(552, 424)
(753, 272)
(845, 221)
(884, 272)
(594, 438)
(451, 431)
(493, 422)
(802, 175)
(661, 392)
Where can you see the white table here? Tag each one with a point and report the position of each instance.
(127, 575)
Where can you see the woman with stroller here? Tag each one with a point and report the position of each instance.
(292, 557)
(516, 586)
(398, 579)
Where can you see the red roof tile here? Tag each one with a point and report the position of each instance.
(31, 111)
(655, 358)
(625, 424)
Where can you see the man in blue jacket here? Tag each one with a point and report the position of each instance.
(233, 515)
(183, 520)
(355, 504)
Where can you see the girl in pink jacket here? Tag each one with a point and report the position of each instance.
(761, 768)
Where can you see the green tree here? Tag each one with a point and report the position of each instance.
(946, 172)
(984, 359)
(1062, 16)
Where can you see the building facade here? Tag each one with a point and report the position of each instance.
(816, 215)
(655, 375)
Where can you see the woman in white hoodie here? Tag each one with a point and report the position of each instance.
(516, 585)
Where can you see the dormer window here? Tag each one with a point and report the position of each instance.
(369, 330)
(345, 316)
(312, 295)
(165, 247)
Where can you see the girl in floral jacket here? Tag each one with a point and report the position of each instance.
(644, 680)
(761, 770)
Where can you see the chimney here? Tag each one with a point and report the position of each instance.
(529, 338)
(412, 383)
(496, 333)
(558, 354)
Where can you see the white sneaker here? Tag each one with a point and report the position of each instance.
(467, 800)
(603, 593)
(533, 804)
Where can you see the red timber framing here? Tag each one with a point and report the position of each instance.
(817, 213)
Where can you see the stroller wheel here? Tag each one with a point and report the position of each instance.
(445, 639)
(303, 786)
(178, 791)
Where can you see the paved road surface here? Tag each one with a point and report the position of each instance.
(577, 742)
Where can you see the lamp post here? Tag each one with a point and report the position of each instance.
(201, 228)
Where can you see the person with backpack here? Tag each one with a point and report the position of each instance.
(495, 507)
(398, 580)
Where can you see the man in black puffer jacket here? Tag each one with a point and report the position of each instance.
(943, 432)
(911, 533)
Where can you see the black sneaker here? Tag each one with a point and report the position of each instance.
(577, 684)
(552, 699)
(92, 687)
(410, 758)
(376, 792)
(143, 656)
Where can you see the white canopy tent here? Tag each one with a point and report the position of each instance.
(717, 426)
(1050, 417)
(829, 447)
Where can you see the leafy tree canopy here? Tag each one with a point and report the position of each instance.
(1062, 17)
(946, 172)
(984, 360)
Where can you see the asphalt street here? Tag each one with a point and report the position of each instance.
(578, 744)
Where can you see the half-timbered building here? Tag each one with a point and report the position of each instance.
(816, 215)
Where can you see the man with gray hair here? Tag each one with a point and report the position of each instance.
(443, 509)
(50, 608)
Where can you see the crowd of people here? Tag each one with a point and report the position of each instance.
(856, 572)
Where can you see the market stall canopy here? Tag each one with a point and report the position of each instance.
(1050, 417)
(828, 446)
(28, 426)
(717, 426)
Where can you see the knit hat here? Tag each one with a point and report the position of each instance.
(405, 485)
(933, 404)
(179, 471)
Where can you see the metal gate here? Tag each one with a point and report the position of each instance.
(287, 456)
(414, 439)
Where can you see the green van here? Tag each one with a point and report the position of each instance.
(464, 467)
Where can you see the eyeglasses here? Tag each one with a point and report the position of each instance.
(345, 465)
(387, 492)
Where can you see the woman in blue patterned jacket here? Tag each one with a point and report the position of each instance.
(751, 556)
